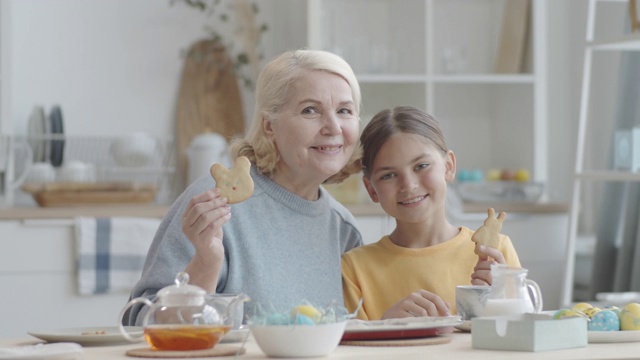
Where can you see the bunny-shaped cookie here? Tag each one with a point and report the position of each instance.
(235, 184)
(488, 234)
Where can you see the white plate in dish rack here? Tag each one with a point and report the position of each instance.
(97, 335)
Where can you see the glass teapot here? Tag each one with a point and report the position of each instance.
(181, 318)
(511, 292)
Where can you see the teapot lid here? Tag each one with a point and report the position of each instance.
(182, 293)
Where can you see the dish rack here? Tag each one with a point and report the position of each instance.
(99, 169)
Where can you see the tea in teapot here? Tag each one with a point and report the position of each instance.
(181, 318)
(511, 292)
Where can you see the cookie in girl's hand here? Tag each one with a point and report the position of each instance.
(235, 184)
(489, 233)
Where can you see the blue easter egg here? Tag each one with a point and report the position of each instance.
(463, 175)
(613, 308)
(476, 175)
(278, 319)
(605, 320)
(303, 320)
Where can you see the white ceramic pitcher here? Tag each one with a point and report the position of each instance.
(204, 150)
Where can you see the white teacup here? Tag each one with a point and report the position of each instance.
(77, 171)
(41, 172)
(470, 300)
(134, 149)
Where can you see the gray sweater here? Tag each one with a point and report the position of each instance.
(280, 249)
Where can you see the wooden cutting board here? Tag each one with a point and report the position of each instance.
(209, 99)
(513, 37)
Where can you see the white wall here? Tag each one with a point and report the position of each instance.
(114, 65)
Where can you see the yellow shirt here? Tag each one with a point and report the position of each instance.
(384, 273)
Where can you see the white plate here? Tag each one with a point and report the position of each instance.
(400, 328)
(37, 131)
(614, 336)
(88, 335)
(235, 336)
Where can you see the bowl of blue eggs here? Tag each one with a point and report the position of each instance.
(303, 331)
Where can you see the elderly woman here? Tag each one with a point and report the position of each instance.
(282, 245)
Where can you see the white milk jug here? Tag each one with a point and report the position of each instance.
(512, 293)
(204, 150)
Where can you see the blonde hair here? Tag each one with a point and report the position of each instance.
(273, 89)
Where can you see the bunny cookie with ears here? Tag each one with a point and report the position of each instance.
(488, 234)
(235, 184)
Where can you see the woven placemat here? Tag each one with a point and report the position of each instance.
(219, 350)
(436, 340)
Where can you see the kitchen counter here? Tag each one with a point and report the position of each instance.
(158, 211)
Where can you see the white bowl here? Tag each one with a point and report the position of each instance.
(135, 149)
(76, 171)
(500, 191)
(298, 340)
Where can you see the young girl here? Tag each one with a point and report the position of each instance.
(414, 270)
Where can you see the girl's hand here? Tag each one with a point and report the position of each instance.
(419, 303)
(482, 271)
(202, 224)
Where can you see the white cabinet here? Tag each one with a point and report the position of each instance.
(439, 55)
(596, 169)
(38, 281)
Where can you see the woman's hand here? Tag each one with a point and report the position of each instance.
(202, 224)
(482, 271)
(419, 303)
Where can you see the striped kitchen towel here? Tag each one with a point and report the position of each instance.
(111, 252)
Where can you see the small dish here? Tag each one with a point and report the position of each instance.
(614, 336)
(87, 336)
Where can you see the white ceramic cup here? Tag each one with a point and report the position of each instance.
(470, 300)
(41, 172)
(134, 149)
(76, 171)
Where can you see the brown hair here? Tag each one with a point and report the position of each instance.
(273, 89)
(401, 119)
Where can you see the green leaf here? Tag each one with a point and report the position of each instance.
(242, 58)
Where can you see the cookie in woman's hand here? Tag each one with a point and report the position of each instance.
(235, 184)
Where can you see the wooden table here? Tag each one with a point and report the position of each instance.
(458, 348)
